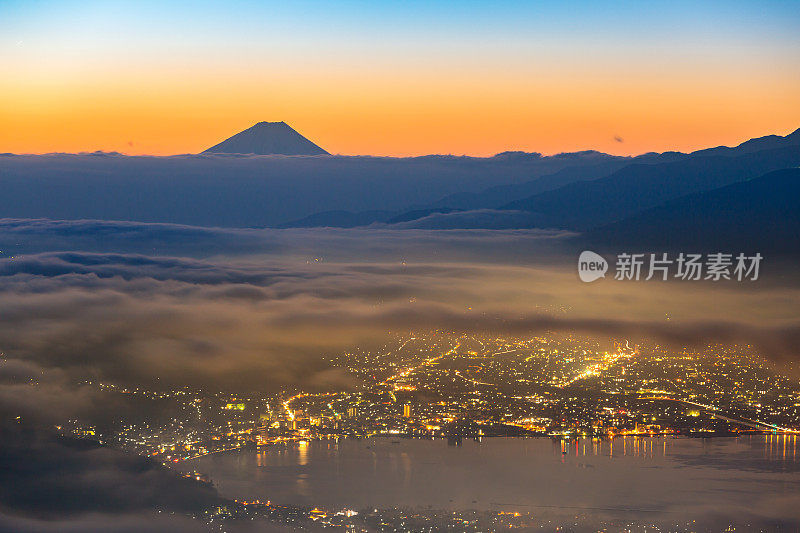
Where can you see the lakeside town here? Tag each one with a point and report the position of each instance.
(445, 386)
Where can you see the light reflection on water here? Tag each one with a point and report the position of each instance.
(638, 475)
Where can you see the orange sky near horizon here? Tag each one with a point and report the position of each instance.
(377, 118)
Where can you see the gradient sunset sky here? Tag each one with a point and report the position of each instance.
(397, 78)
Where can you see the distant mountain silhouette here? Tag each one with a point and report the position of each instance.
(602, 165)
(584, 165)
(759, 215)
(499, 195)
(768, 142)
(245, 191)
(239, 191)
(593, 190)
(635, 188)
(267, 138)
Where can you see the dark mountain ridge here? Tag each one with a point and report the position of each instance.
(758, 215)
(231, 190)
(635, 188)
(506, 196)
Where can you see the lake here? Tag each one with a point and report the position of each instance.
(631, 476)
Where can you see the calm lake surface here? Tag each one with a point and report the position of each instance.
(626, 475)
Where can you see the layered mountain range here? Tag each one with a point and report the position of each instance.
(270, 175)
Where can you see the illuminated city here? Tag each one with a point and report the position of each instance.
(588, 397)
(439, 385)
(399, 267)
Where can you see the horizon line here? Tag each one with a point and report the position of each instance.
(433, 154)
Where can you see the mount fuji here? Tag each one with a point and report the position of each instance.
(267, 138)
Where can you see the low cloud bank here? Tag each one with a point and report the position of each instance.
(269, 324)
(264, 311)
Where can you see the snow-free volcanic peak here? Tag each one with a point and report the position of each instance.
(267, 138)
